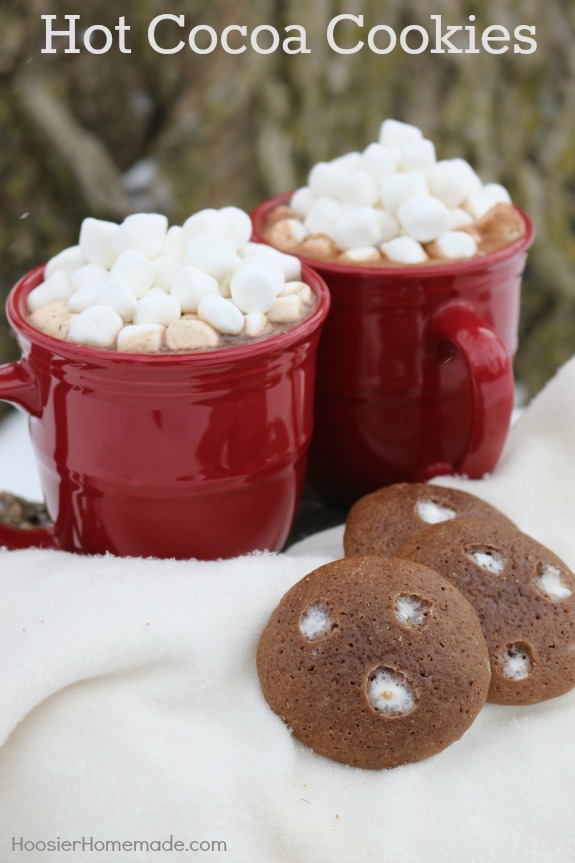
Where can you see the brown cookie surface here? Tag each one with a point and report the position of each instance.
(379, 523)
(524, 596)
(374, 662)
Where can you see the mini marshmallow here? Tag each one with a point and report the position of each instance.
(57, 287)
(394, 133)
(136, 270)
(214, 255)
(192, 285)
(116, 294)
(83, 298)
(323, 215)
(141, 232)
(68, 259)
(286, 310)
(358, 190)
(97, 326)
(360, 255)
(255, 284)
(141, 339)
(424, 218)
(287, 233)
(221, 314)
(191, 335)
(167, 267)
(459, 218)
(404, 250)
(324, 179)
(453, 181)
(481, 201)
(300, 288)
(418, 156)
(378, 161)
(348, 162)
(96, 241)
(53, 319)
(205, 223)
(389, 227)
(289, 264)
(88, 275)
(318, 247)
(357, 227)
(238, 226)
(455, 245)
(302, 201)
(157, 307)
(397, 188)
(175, 242)
(256, 324)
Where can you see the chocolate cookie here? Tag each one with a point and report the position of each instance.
(374, 662)
(524, 596)
(380, 522)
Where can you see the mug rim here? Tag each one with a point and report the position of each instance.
(421, 271)
(15, 311)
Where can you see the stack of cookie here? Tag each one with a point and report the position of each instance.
(441, 603)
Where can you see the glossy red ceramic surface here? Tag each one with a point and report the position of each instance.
(414, 371)
(173, 455)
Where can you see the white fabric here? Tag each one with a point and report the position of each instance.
(131, 708)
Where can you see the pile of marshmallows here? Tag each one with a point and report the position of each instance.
(144, 287)
(393, 198)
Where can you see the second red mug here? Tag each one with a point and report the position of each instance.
(414, 374)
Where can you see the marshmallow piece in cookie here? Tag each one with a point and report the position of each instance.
(136, 270)
(223, 315)
(424, 218)
(453, 181)
(286, 310)
(97, 327)
(418, 156)
(191, 335)
(53, 319)
(190, 285)
(454, 245)
(378, 161)
(357, 227)
(481, 201)
(255, 285)
(397, 188)
(157, 307)
(116, 294)
(69, 259)
(358, 190)
(394, 133)
(57, 287)
(302, 201)
(96, 241)
(214, 255)
(141, 339)
(141, 232)
(404, 250)
(323, 215)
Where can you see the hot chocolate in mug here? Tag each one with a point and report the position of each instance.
(414, 373)
(166, 455)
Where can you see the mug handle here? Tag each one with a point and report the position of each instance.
(18, 387)
(491, 380)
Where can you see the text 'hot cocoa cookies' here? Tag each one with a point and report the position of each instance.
(374, 662)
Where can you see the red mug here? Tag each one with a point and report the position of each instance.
(168, 455)
(414, 374)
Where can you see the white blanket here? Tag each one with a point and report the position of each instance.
(131, 712)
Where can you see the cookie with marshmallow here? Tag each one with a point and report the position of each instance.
(374, 662)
